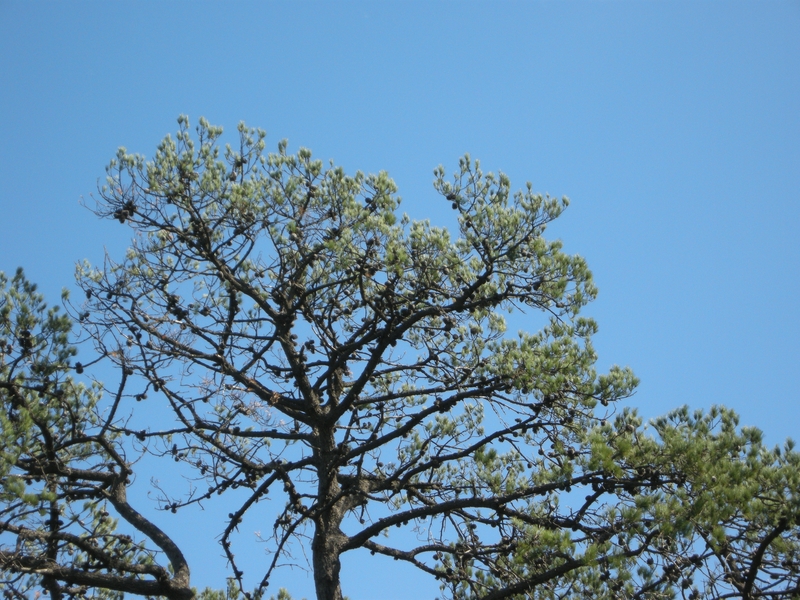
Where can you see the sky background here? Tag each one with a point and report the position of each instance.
(673, 127)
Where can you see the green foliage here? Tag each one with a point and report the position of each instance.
(700, 509)
(234, 592)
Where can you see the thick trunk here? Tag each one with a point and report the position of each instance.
(328, 537)
(326, 565)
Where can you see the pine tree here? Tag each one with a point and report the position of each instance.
(351, 368)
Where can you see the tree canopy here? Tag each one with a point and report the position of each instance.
(325, 356)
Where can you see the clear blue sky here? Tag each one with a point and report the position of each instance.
(674, 127)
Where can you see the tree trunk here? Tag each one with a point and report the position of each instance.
(326, 565)
(328, 537)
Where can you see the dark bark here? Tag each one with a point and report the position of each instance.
(177, 587)
(328, 538)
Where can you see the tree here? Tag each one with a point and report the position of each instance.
(314, 346)
(63, 472)
(307, 338)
